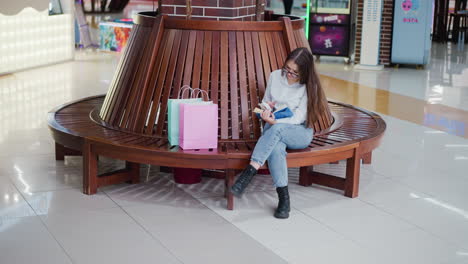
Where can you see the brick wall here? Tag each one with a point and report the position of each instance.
(385, 31)
(242, 10)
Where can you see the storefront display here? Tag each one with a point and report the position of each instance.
(329, 29)
(113, 35)
(329, 34)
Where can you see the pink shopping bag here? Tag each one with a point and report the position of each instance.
(198, 125)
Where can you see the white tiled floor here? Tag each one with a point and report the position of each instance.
(412, 208)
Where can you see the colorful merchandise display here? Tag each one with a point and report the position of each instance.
(329, 34)
(329, 27)
(113, 35)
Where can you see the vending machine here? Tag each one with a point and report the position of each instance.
(412, 28)
(329, 27)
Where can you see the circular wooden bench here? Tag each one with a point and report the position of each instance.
(232, 62)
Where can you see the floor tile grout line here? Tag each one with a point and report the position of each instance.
(191, 197)
(145, 230)
(381, 209)
(240, 230)
(45, 226)
(307, 216)
(362, 246)
(56, 240)
(417, 227)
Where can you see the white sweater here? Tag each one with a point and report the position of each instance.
(293, 96)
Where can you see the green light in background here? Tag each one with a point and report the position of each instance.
(307, 17)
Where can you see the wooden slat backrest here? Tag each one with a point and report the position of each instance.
(205, 82)
(271, 52)
(233, 65)
(277, 49)
(181, 63)
(264, 55)
(252, 82)
(158, 102)
(169, 82)
(139, 83)
(123, 81)
(289, 35)
(259, 70)
(134, 90)
(224, 122)
(214, 84)
(197, 61)
(147, 90)
(233, 87)
(244, 99)
(164, 61)
(189, 58)
(151, 79)
(117, 115)
(110, 98)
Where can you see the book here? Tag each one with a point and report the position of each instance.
(279, 112)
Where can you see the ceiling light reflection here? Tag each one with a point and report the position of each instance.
(438, 89)
(434, 100)
(434, 132)
(447, 206)
(27, 188)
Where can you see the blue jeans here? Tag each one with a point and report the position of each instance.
(272, 146)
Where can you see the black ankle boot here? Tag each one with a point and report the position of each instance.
(244, 179)
(283, 205)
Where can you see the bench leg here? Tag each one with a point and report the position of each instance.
(62, 151)
(353, 166)
(367, 158)
(350, 184)
(133, 171)
(304, 176)
(59, 152)
(90, 169)
(229, 181)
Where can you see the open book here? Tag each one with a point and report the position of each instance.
(280, 111)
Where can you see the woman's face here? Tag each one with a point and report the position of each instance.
(291, 70)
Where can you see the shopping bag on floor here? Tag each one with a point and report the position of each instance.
(173, 112)
(198, 125)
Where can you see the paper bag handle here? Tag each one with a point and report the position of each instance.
(198, 90)
(182, 91)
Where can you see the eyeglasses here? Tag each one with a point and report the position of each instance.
(292, 74)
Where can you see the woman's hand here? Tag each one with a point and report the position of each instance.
(271, 104)
(268, 117)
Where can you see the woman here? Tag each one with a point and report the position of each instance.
(298, 87)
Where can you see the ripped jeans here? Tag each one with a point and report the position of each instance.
(272, 146)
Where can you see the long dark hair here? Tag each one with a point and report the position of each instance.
(316, 99)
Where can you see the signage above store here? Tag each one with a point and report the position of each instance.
(10, 8)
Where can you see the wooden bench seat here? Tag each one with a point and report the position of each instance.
(231, 61)
(73, 135)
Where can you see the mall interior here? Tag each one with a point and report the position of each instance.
(404, 60)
